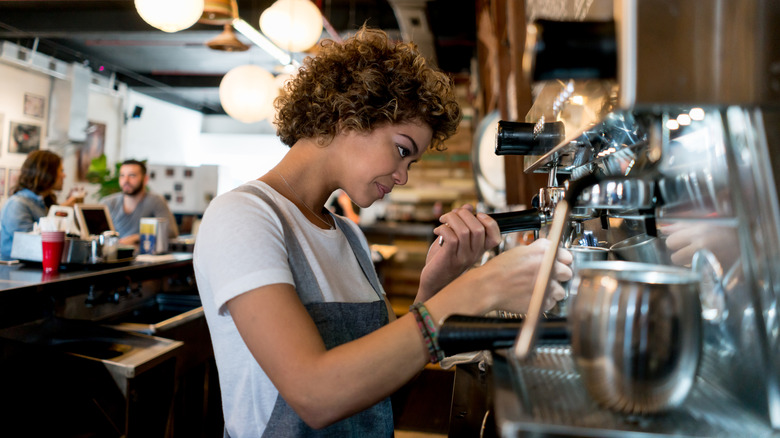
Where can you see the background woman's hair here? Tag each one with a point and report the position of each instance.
(363, 83)
(39, 171)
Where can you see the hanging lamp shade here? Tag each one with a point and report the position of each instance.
(218, 12)
(247, 93)
(293, 25)
(227, 41)
(170, 15)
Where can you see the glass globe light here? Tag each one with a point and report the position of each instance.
(293, 25)
(170, 15)
(247, 93)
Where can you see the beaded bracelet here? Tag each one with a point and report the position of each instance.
(425, 335)
(429, 331)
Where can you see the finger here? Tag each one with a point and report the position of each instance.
(683, 256)
(492, 232)
(564, 256)
(476, 229)
(444, 234)
(562, 272)
(677, 241)
(468, 207)
(557, 291)
(470, 232)
(551, 300)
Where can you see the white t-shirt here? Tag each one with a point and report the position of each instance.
(240, 247)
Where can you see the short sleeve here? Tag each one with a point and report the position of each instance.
(239, 247)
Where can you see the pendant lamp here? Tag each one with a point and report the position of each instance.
(247, 93)
(227, 41)
(170, 15)
(219, 12)
(293, 25)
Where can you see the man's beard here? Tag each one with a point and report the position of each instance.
(132, 190)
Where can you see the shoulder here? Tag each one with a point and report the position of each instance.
(17, 206)
(112, 198)
(241, 206)
(12, 203)
(23, 198)
(238, 223)
(155, 199)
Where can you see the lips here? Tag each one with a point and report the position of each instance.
(382, 190)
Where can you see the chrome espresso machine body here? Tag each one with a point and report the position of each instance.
(676, 117)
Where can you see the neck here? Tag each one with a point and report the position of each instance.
(131, 201)
(305, 169)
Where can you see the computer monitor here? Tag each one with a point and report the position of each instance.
(93, 219)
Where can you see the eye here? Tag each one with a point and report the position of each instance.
(404, 152)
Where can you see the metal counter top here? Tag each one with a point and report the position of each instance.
(30, 275)
(27, 294)
(545, 397)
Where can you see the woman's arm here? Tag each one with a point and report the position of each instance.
(324, 386)
(18, 216)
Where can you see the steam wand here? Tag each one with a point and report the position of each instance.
(526, 337)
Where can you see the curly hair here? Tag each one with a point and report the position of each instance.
(39, 171)
(363, 83)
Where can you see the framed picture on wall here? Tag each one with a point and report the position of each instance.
(24, 138)
(34, 105)
(91, 149)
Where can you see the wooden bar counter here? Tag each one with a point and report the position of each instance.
(106, 350)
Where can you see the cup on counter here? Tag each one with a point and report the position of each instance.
(154, 235)
(52, 243)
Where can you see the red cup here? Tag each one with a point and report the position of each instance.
(52, 244)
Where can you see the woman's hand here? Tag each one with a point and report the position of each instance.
(463, 238)
(684, 239)
(76, 196)
(513, 273)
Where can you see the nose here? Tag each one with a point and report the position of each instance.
(401, 176)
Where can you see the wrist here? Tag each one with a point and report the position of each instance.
(470, 294)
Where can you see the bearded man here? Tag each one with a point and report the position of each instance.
(135, 202)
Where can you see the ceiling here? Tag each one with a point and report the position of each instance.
(110, 37)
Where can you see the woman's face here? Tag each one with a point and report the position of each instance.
(379, 160)
(60, 178)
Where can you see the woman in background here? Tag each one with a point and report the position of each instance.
(41, 175)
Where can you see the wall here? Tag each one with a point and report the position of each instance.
(168, 134)
(164, 134)
(240, 157)
(14, 83)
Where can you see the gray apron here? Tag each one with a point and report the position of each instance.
(338, 323)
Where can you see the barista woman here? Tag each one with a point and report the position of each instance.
(305, 342)
(41, 175)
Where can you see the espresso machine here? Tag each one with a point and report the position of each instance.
(666, 124)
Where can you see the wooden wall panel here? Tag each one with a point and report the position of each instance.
(500, 42)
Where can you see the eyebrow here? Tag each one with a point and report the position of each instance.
(414, 144)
